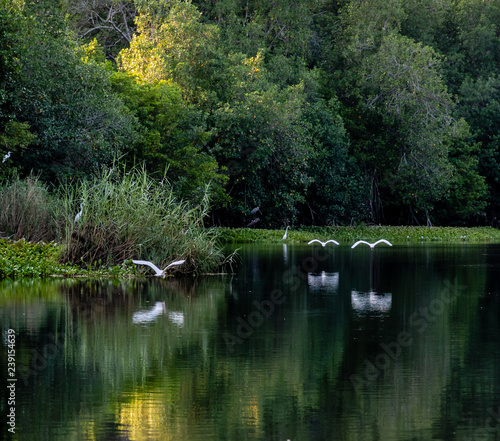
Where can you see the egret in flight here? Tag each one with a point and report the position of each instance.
(159, 272)
(7, 156)
(323, 243)
(286, 231)
(372, 245)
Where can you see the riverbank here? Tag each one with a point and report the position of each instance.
(21, 258)
(27, 259)
(395, 234)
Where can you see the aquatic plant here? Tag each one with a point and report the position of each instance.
(27, 259)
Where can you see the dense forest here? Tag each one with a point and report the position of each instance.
(317, 112)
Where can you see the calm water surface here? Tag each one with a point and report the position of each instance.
(301, 343)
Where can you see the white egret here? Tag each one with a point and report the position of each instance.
(285, 235)
(159, 272)
(372, 245)
(7, 156)
(323, 243)
(79, 214)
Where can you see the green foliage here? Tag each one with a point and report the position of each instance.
(25, 259)
(337, 193)
(318, 112)
(467, 194)
(171, 134)
(78, 123)
(407, 115)
(346, 236)
(280, 27)
(14, 139)
(263, 141)
(175, 46)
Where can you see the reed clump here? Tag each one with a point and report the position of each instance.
(27, 210)
(128, 215)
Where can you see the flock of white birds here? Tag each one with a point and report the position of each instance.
(371, 245)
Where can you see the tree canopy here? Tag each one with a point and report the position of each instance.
(318, 113)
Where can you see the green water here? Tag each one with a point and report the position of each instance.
(300, 343)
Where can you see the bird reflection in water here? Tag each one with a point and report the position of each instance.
(323, 282)
(371, 302)
(149, 316)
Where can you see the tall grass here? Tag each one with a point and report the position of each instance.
(130, 216)
(27, 210)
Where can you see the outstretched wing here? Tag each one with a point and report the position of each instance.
(361, 241)
(158, 271)
(177, 262)
(331, 240)
(384, 241)
(315, 240)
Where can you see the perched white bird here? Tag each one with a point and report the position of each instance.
(158, 271)
(286, 231)
(323, 243)
(79, 214)
(372, 245)
(7, 156)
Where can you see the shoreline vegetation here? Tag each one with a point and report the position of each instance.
(20, 258)
(349, 234)
(100, 225)
(320, 113)
(95, 227)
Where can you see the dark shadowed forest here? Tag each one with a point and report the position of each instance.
(316, 112)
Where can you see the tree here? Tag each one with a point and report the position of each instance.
(266, 147)
(251, 26)
(78, 123)
(175, 47)
(397, 86)
(111, 22)
(172, 133)
(337, 193)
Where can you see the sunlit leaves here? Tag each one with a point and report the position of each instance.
(177, 47)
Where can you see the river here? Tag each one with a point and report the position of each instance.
(298, 343)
